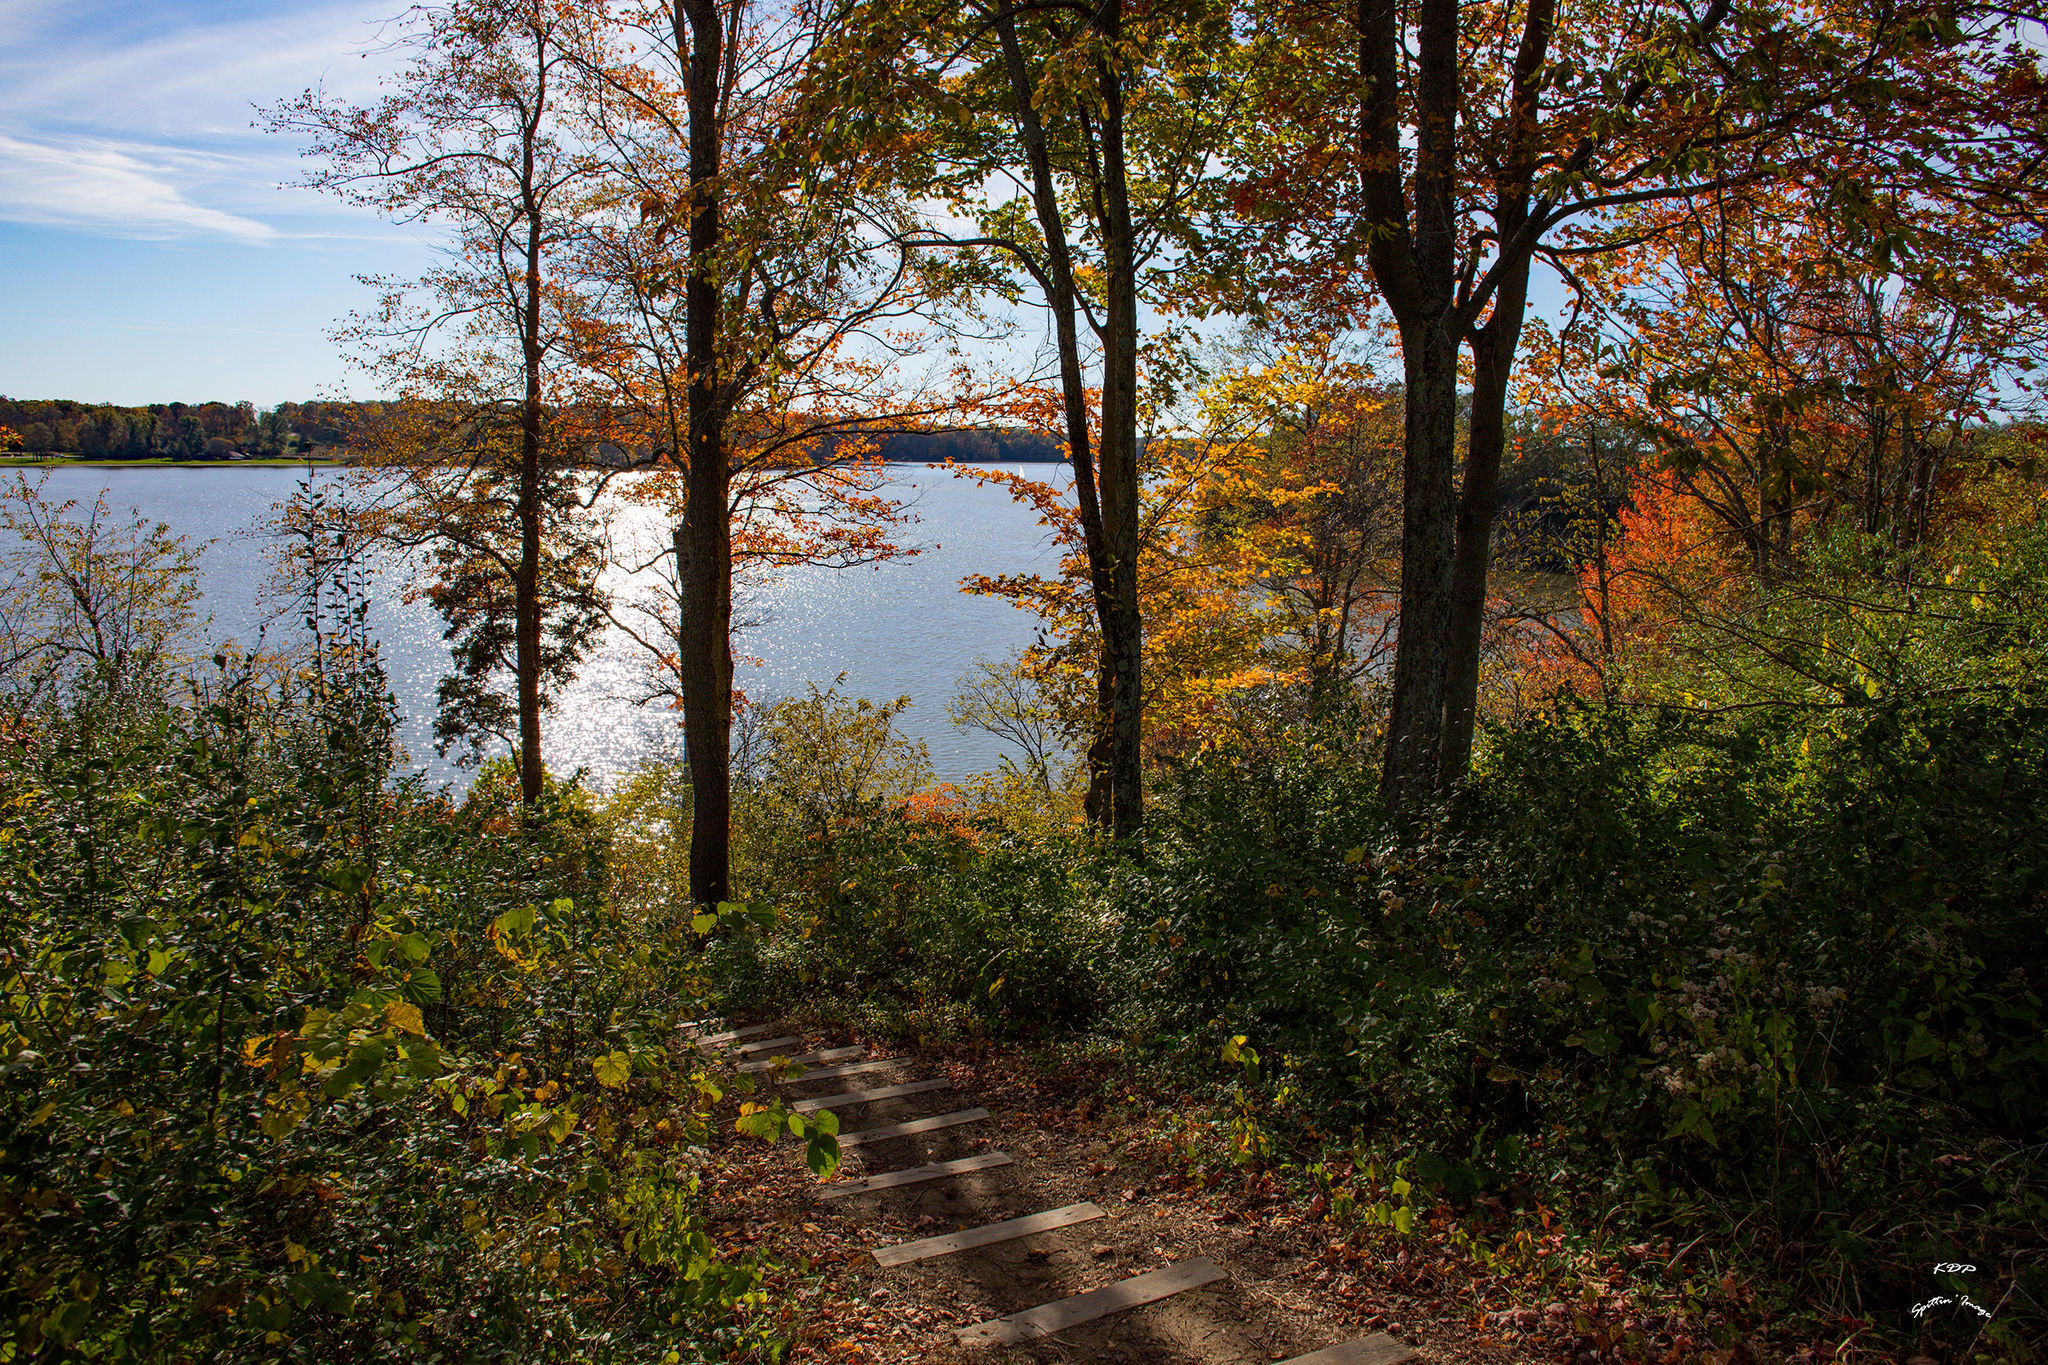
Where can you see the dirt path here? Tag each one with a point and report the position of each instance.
(1233, 1284)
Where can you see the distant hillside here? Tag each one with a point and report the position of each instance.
(197, 431)
(973, 446)
(174, 431)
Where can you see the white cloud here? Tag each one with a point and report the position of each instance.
(138, 123)
(131, 189)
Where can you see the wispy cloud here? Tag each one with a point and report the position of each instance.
(133, 190)
(135, 121)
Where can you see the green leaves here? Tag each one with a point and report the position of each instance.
(613, 1069)
(251, 989)
(818, 1132)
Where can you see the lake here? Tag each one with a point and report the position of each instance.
(901, 628)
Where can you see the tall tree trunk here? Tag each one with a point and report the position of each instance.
(1123, 623)
(704, 541)
(1493, 359)
(1428, 538)
(526, 607)
(1107, 756)
(1414, 262)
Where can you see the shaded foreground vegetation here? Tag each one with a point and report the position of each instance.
(305, 1062)
(1755, 971)
(1740, 992)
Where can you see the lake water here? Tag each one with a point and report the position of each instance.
(895, 629)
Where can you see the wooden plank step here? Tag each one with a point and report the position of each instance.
(914, 1175)
(1048, 1318)
(910, 1126)
(828, 1072)
(903, 1253)
(830, 1054)
(850, 1098)
(1377, 1349)
(766, 1043)
(730, 1035)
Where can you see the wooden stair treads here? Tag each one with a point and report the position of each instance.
(910, 1126)
(914, 1175)
(745, 1048)
(1377, 1349)
(729, 1036)
(830, 1054)
(1057, 1316)
(853, 1097)
(988, 1233)
(828, 1072)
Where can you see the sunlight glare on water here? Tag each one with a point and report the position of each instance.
(895, 629)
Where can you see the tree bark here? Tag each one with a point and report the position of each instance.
(1123, 622)
(1493, 359)
(1108, 510)
(526, 608)
(1414, 262)
(1428, 539)
(703, 543)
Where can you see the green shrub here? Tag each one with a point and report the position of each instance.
(303, 1063)
(936, 907)
(1780, 965)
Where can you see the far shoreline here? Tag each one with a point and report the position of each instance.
(66, 462)
(270, 462)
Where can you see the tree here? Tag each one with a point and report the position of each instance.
(1447, 148)
(1787, 379)
(1077, 139)
(1325, 495)
(84, 593)
(751, 304)
(1210, 545)
(478, 135)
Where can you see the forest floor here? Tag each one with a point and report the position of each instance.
(1293, 1284)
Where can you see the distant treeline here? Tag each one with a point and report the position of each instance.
(219, 431)
(999, 447)
(174, 431)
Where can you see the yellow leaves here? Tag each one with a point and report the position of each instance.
(613, 1069)
(405, 1017)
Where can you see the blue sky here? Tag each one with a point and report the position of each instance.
(147, 251)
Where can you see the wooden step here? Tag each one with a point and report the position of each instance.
(728, 1036)
(910, 1126)
(915, 1175)
(745, 1048)
(1377, 1349)
(1048, 1318)
(830, 1054)
(903, 1253)
(829, 1072)
(853, 1097)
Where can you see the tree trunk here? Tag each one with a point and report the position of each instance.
(1415, 718)
(704, 661)
(1493, 361)
(526, 611)
(704, 541)
(1493, 357)
(526, 608)
(1115, 796)
(1123, 623)
(1414, 261)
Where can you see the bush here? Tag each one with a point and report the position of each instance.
(1777, 967)
(302, 1063)
(945, 911)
